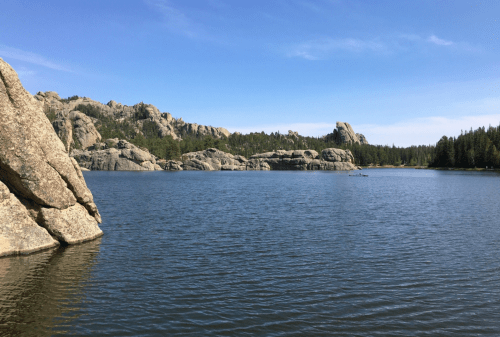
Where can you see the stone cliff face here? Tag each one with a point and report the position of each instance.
(344, 134)
(137, 115)
(43, 194)
(215, 160)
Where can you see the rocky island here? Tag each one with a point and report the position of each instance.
(44, 200)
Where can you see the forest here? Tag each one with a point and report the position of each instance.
(473, 149)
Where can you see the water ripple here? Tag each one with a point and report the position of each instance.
(402, 252)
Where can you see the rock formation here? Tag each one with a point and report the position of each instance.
(212, 160)
(330, 160)
(77, 121)
(76, 130)
(116, 155)
(215, 160)
(344, 134)
(137, 115)
(43, 194)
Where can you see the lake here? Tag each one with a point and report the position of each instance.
(400, 252)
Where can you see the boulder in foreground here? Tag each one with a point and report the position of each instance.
(35, 170)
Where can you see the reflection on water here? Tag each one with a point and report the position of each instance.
(40, 294)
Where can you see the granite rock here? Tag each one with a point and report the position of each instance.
(34, 164)
(331, 159)
(116, 155)
(344, 134)
(212, 160)
(19, 233)
(137, 115)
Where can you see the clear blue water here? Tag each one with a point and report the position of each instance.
(400, 252)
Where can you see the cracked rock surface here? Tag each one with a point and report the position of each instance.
(37, 171)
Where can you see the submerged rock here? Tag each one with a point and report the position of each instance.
(37, 171)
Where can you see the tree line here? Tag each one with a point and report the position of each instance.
(253, 143)
(476, 148)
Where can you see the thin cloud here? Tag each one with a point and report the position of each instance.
(309, 5)
(424, 131)
(431, 39)
(174, 19)
(21, 55)
(440, 42)
(322, 48)
(24, 72)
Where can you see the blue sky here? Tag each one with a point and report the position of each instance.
(400, 72)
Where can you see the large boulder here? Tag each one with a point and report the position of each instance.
(337, 155)
(35, 166)
(64, 130)
(19, 233)
(76, 130)
(213, 160)
(84, 130)
(116, 155)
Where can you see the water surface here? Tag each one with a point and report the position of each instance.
(400, 252)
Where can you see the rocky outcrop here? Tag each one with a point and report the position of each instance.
(330, 159)
(215, 160)
(362, 138)
(138, 115)
(84, 130)
(37, 177)
(116, 155)
(344, 134)
(173, 165)
(76, 130)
